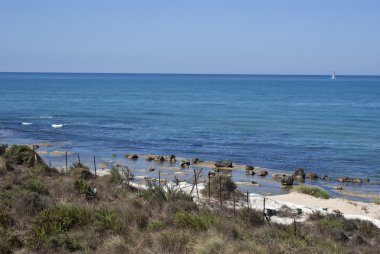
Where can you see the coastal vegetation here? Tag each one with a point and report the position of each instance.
(45, 210)
(312, 191)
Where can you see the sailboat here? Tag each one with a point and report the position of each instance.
(333, 75)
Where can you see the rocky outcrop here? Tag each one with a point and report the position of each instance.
(299, 174)
(159, 158)
(344, 179)
(223, 164)
(132, 156)
(262, 172)
(326, 178)
(170, 158)
(185, 164)
(287, 180)
(312, 175)
(249, 167)
(195, 161)
(356, 180)
(151, 169)
(277, 176)
(149, 157)
(255, 184)
(249, 172)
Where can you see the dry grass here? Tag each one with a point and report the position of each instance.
(42, 210)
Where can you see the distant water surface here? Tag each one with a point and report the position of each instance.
(281, 122)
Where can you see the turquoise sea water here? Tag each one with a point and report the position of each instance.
(281, 122)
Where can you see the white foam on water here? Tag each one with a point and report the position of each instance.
(26, 123)
(57, 125)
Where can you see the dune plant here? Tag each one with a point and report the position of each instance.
(313, 191)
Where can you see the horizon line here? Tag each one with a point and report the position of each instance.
(173, 73)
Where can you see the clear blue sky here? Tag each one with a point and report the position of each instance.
(197, 36)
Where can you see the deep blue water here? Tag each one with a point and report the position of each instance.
(281, 122)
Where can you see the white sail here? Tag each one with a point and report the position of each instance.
(333, 75)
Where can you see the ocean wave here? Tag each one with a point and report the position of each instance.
(57, 125)
(25, 123)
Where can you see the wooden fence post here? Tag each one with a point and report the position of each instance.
(264, 209)
(196, 183)
(220, 190)
(79, 161)
(295, 227)
(94, 165)
(66, 162)
(159, 178)
(247, 199)
(233, 199)
(209, 187)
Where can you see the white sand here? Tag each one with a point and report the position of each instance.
(350, 209)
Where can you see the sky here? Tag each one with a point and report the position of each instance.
(197, 36)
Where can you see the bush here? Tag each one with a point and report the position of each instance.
(213, 244)
(105, 219)
(3, 148)
(220, 184)
(313, 191)
(36, 185)
(78, 170)
(5, 218)
(201, 221)
(250, 217)
(44, 170)
(79, 165)
(29, 203)
(173, 242)
(22, 155)
(56, 220)
(164, 193)
(5, 246)
(82, 187)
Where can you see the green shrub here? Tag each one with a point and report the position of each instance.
(250, 217)
(3, 148)
(164, 193)
(116, 176)
(45, 170)
(22, 155)
(5, 218)
(29, 203)
(200, 221)
(173, 242)
(5, 246)
(78, 170)
(57, 220)
(76, 165)
(105, 219)
(156, 225)
(82, 187)
(220, 184)
(36, 185)
(313, 191)
(213, 244)
(68, 241)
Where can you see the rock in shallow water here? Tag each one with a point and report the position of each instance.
(312, 175)
(132, 156)
(299, 174)
(287, 180)
(185, 164)
(262, 172)
(249, 168)
(223, 164)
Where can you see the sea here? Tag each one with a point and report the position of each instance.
(279, 122)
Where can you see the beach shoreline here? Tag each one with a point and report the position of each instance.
(266, 185)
